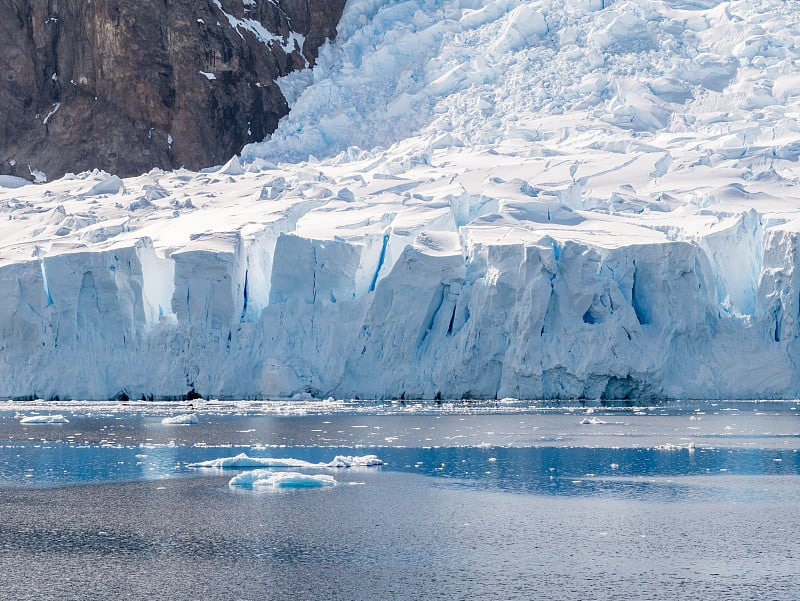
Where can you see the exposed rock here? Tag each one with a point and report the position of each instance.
(128, 86)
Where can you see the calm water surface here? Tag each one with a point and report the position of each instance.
(476, 501)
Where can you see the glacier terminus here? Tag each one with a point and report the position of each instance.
(545, 199)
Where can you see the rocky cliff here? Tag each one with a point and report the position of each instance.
(126, 87)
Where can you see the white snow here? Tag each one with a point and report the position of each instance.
(468, 199)
(187, 419)
(268, 479)
(55, 108)
(44, 419)
(243, 461)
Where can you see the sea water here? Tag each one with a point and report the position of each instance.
(474, 501)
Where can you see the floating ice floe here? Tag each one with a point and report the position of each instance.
(676, 447)
(355, 461)
(44, 419)
(267, 478)
(243, 461)
(592, 421)
(181, 420)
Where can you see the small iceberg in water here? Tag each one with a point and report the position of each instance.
(355, 461)
(181, 420)
(44, 419)
(269, 479)
(245, 461)
(266, 478)
(676, 447)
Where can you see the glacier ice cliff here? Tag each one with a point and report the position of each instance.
(468, 200)
(412, 313)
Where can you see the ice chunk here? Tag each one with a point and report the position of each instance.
(181, 420)
(44, 419)
(232, 167)
(676, 447)
(267, 478)
(351, 461)
(243, 460)
(524, 25)
(110, 184)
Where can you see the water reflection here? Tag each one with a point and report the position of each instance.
(538, 470)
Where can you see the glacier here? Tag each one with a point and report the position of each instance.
(545, 199)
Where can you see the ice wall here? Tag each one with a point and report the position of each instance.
(451, 316)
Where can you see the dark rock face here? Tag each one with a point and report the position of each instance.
(128, 86)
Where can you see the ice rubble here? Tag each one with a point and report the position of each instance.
(470, 199)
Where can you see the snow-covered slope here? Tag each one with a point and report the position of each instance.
(580, 198)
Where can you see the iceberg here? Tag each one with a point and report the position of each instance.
(44, 419)
(188, 419)
(676, 447)
(243, 460)
(468, 200)
(268, 479)
(347, 461)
